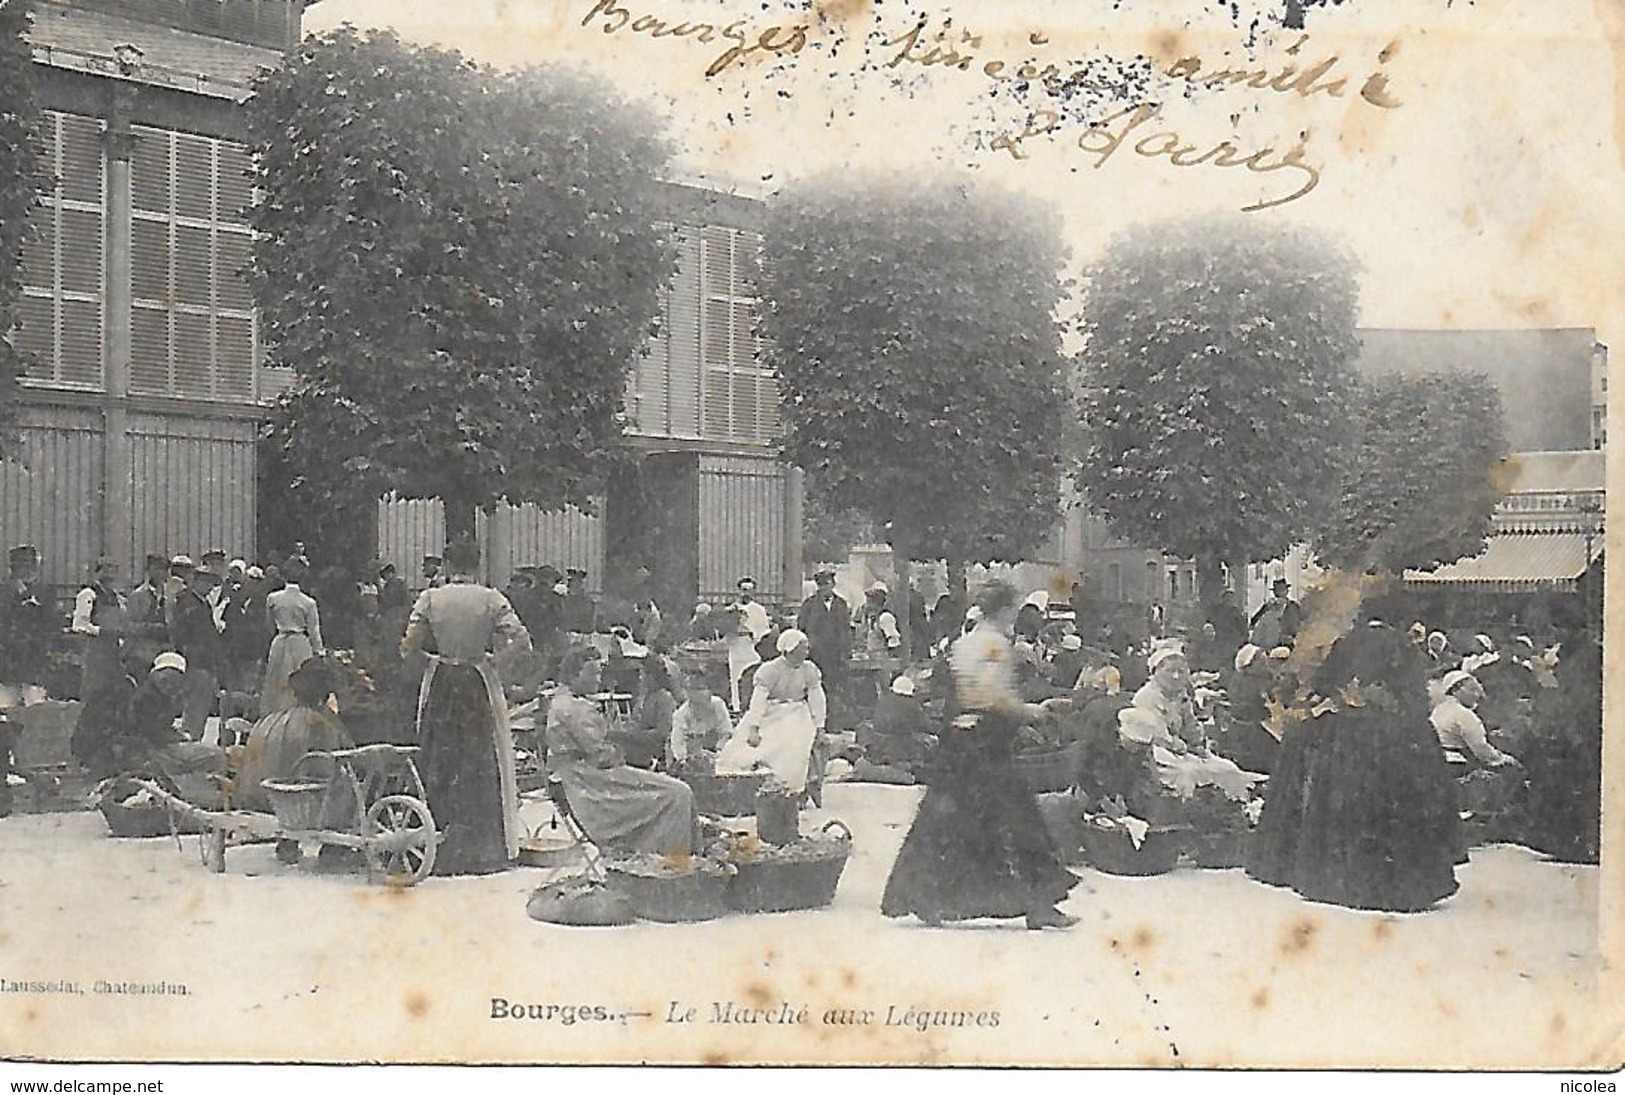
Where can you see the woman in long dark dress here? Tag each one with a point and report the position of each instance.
(467, 760)
(1361, 807)
(978, 846)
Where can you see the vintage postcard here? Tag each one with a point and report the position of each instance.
(915, 532)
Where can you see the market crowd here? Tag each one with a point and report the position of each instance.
(1359, 759)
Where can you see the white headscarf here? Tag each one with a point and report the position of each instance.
(790, 639)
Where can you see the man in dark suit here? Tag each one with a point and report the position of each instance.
(826, 619)
(195, 636)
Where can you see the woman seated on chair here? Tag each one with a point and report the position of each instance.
(622, 809)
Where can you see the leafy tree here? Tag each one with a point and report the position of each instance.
(461, 264)
(915, 336)
(1424, 475)
(828, 535)
(21, 178)
(1215, 376)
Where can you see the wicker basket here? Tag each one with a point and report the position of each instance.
(724, 796)
(297, 805)
(1113, 851)
(148, 819)
(803, 875)
(1049, 770)
(671, 894)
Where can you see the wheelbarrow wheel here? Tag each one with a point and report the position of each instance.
(400, 839)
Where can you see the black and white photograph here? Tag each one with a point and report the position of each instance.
(809, 532)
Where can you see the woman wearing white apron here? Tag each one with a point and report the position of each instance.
(786, 714)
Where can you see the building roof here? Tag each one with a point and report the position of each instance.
(84, 41)
(1519, 562)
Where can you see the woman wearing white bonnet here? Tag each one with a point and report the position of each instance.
(786, 714)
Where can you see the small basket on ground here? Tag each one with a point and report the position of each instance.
(133, 813)
(298, 804)
(1111, 849)
(723, 796)
(671, 891)
(1049, 770)
(803, 875)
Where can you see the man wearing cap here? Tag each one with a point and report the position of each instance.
(432, 576)
(146, 630)
(100, 616)
(580, 613)
(25, 627)
(196, 638)
(826, 619)
(180, 576)
(543, 615)
(242, 623)
(29, 621)
(753, 616)
(749, 625)
(1277, 620)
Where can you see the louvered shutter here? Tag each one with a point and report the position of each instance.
(63, 265)
(149, 351)
(683, 337)
(194, 322)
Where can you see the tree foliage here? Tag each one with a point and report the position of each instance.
(914, 333)
(461, 264)
(21, 179)
(1215, 378)
(1424, 474)
(829, 535)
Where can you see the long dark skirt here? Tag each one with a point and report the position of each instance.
(460, 773)
(978, 846)
(1360, 812)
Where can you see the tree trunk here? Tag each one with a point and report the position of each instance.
(901, 554)
(1210, 583)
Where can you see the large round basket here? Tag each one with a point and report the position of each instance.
(671, 893)
(1113, 851)
(297, 805)
(724, 796)
(1049, 769)
(147, 818)
(803, 875)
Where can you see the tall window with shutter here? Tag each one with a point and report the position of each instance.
(192, 321)
(64, 272)
(738, 396)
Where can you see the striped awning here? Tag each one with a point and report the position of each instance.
(1518, 563)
